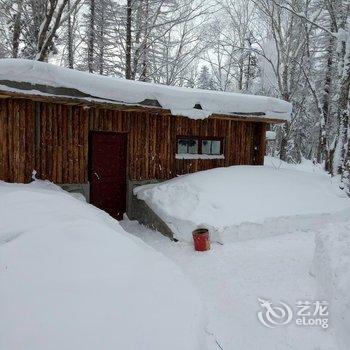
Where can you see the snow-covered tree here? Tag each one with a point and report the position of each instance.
(205, 80)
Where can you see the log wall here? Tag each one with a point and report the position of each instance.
(53, 139)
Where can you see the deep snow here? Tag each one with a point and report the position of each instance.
(180, 101)
(331, 267)
(234, 202)
(231, 278)
(72, 278)
(307, 259)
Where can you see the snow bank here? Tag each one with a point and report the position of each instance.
(180, 101)
(332, 271)
(305, 165)
(72, 278)
(270, 135)
(233, 201)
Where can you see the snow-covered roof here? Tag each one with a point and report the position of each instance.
(192, 103)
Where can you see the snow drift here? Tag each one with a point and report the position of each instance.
(180, 101)
(232, 201)
(72, 278)
(332, 271)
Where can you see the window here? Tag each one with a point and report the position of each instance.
(199, 148)
(187, 146)
(211, 147)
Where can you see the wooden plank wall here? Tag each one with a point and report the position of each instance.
(17, 157)
(53, 139)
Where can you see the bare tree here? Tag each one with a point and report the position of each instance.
(53, 19)
(16, 32)
(128, 39)
(230, 38)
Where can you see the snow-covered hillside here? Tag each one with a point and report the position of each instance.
(72, 278)
(233, 202)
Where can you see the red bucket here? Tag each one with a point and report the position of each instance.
(201, 239)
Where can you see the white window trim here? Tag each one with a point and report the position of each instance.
(199, 156)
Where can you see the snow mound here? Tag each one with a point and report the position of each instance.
(72, 278)
(233, 201)
(331, 268)
(180, 101)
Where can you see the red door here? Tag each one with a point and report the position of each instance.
(258, 150)
(108, 172)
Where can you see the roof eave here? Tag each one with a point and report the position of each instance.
(95, 102)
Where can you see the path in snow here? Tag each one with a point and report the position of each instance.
(231, 277)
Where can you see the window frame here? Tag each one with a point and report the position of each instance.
(199, 140)
(187, 138)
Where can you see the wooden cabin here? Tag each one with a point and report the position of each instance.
(104, 146)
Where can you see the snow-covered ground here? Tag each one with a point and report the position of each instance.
(242, 202)
(273, 215)
(72, 278)
(332, 271)
(231, 278)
